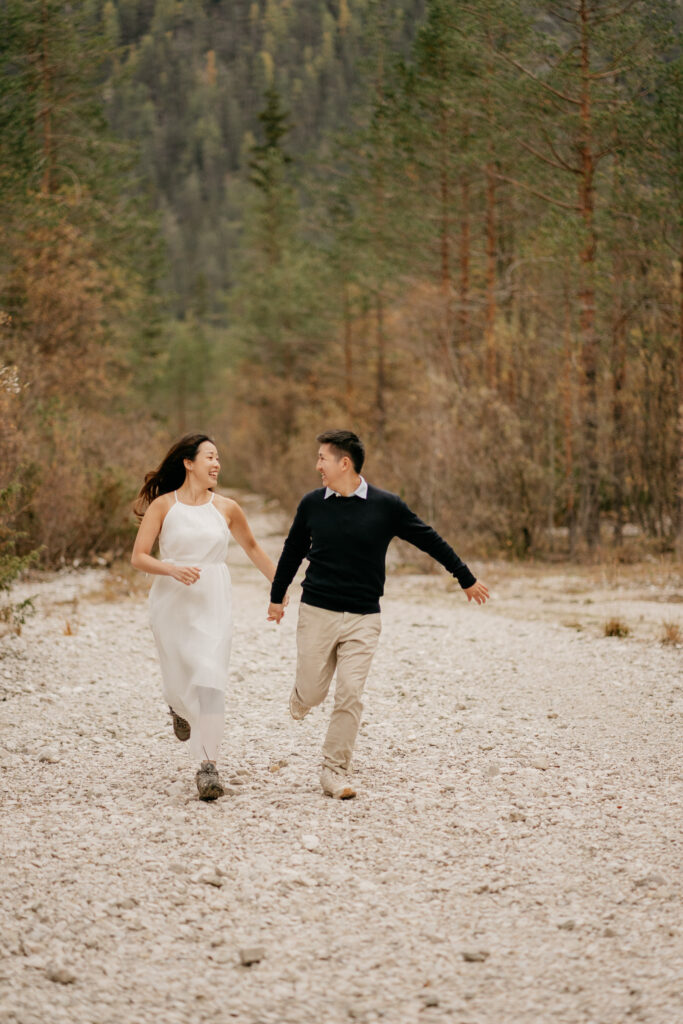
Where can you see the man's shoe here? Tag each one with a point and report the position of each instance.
(297, 708)
(180, 727)
(209, 785)
(336, 785)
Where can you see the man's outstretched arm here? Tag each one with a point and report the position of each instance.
(294, 551)
(411, 528)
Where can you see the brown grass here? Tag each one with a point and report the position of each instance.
(671, 634)
(616, 627)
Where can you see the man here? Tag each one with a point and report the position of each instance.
(344, 529)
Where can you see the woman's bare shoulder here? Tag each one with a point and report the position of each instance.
(160, 506)
(227, 506)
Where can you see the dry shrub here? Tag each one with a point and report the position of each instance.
(671, 634)
(72, 440)
(616, 627)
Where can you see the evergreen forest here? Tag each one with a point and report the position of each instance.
(455, 227)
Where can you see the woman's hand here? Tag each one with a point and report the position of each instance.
(187, 574)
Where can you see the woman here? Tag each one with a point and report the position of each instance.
(190, 599)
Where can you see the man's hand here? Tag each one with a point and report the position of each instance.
(477, 592)
(275, 612)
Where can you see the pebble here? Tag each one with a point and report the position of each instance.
(310, 842)
(475, 956)
(48, 756)
(251, 955)
(542, 763)
(60, 975)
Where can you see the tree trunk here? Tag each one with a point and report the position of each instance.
(678, 512)
(489, 326)
(348, 351)
(589, 345)
(463, 311)
(445, 242)
(568, 411)
(381, 368)
(48, 182)
(618, 360)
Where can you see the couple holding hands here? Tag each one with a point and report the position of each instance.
(343, 528)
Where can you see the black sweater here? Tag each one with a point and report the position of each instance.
(346, 541)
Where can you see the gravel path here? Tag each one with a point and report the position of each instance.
(513, 855)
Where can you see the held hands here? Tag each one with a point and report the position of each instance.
(276, 611)
(185, 574)
(477, 592)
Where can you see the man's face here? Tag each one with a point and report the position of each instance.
(331, 466)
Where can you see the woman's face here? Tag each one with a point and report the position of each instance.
(205, 467)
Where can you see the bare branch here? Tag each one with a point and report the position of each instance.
(615, 14)
(560, 164)
(540, 195)
(539, 81)
(551, 146)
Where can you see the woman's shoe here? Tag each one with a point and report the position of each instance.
(180, 727)
(209, 785)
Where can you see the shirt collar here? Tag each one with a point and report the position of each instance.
(360, 492)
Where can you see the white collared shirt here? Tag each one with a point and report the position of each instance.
(360, 492)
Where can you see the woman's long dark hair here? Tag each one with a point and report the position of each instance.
(170, 475)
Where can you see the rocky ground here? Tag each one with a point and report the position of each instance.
(513, 854)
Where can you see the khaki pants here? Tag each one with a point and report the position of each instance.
(343, 640)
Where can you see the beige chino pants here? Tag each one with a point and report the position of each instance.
(346, 642)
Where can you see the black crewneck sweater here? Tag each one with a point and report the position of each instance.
(346, 541)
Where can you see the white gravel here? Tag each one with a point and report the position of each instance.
(513, 855)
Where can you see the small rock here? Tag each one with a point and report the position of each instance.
(491, 771)
(460, 707)
(210, 877)
(541, 762)
(251, 955)
(609, 933)
(48, 756)
(517, 816)
(60, 975)
(567, 926)
(430, 1000)
(475, 956)
(649, 880)
(127, 903)
(310, 842)
(236, 780)
(552, 714)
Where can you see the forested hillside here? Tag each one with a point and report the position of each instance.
(456, 226)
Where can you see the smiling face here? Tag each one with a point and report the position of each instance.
(332, 466)
(203, 470)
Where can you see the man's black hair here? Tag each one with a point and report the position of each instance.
(345, 442)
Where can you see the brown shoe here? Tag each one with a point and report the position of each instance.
(180, 727)
(209, 785)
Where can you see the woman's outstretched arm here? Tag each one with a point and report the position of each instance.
(241, 531)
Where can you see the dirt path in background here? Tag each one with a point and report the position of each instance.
(513, 855)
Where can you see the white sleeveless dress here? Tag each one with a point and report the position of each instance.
(192, 625)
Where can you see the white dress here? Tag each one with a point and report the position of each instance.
(192, 625)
